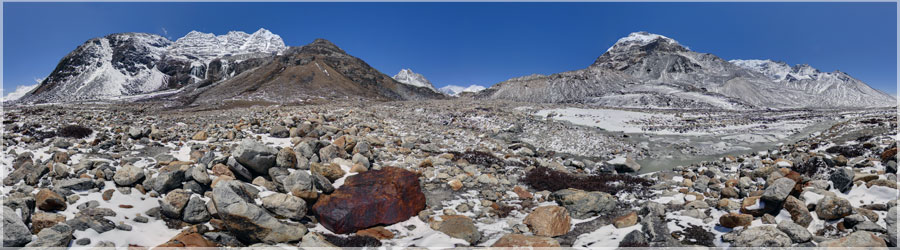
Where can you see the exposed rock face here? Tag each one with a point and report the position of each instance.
(15, 233)
(370, 198)
(582, 204)
(247, 221)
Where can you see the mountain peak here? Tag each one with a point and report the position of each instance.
(262, 31)
(407, 76)
(319, 46)
(646, 40)
(323, 42)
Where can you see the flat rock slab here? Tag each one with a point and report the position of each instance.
(371, 198)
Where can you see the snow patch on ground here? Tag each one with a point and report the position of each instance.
(152, 233)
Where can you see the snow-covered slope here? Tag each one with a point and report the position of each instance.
(836, 88)
(105, 67)
(654, 71)
(454, 90)
(407, 76)
(127, 64)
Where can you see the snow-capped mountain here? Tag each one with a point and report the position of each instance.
(454, 90)
(126, 64)
(105, 67)
(649, 70)
(407, 76)
(205, 47)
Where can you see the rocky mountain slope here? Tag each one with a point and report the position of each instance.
(649, 70)
(314, 71)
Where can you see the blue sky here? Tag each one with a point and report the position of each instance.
(480, 43)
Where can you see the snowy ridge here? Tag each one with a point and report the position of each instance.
(772, 69)
(207, 46)
(454, 90)
(407, 76)
(835, 85)
(641, 38)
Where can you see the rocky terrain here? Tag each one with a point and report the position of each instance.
(439, 173)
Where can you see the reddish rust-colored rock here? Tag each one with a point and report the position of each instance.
(371, 198)
(376, 232)
(522, 193)
(889, 154)
(190, 237)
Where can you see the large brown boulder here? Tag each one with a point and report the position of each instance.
(371, 198)
(48, 200)
(732, 220)
(549, 221)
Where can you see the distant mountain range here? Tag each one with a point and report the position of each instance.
(653, 71)
(641, 70)
(407, 76)
(202, 68)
